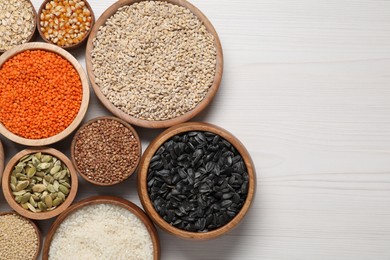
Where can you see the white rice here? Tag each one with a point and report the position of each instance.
(102, 231)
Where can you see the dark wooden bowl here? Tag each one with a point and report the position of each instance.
(143, 174)
(76, 136)
(37, 231)
(163, 123)
(104, 200)
(39, 215)
(84, 102)
(70, 47)
(33, 32)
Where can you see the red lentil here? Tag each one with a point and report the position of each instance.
(40, 94)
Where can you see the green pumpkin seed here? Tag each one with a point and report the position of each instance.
(43, 166)
(46, 158)
(18, 199)
(14, 181)
(40, 182)
(18, 193)
(55, 169)
(64, 189)
(33, 202)
(25, 198)
(57, 202)
(42, 206)
(21, 185)
(61, 195)
(31, 172)
(50, 188)
(39, 188)
(49, 201)
(25, 205)
(31, 207)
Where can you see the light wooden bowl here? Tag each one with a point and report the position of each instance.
(163, 123)
(143, 174)
(76, 136)
(37, 231)
(39, 215)
(33, 32)
(84, 102)
(105, 200)
(1, 160)
(70, 47)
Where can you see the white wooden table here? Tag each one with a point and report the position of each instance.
(307, 89)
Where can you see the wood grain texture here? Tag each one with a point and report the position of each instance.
(306, 90)
(84, 101)
(149, 123)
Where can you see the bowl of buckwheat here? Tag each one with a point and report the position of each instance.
(154, 63)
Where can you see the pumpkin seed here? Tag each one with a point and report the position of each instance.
(40, 182)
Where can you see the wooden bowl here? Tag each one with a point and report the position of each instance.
(32, 35)
(70, 47)
(37, 231)
(76, 136)
(143, 174)
(1, 160)
(39, 215)
(84, 102)
(163, 123)
(104, 200)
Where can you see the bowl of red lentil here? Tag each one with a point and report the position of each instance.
(20, 238)
(162, 71)
(39, 183)
(45, 94)
(106, 151)
(65, 23)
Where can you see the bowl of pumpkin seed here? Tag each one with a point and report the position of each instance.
(39, 183)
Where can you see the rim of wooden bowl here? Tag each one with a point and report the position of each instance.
(137, 211)
(70, 47)
(29, 38)
(84, 102)
(39, 215)
(73, 146)
(1, 160)
(37, 231)
(143, 172)
(163, 123)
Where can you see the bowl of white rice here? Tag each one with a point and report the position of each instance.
(102, 227)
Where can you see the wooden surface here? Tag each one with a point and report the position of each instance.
(76, 137)
(1, 160)
(37, 231)
(105, 200)
(144, 169)
(84, 101)
(306, 88)
(10, 198)
(70, 47)
(112, 9)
